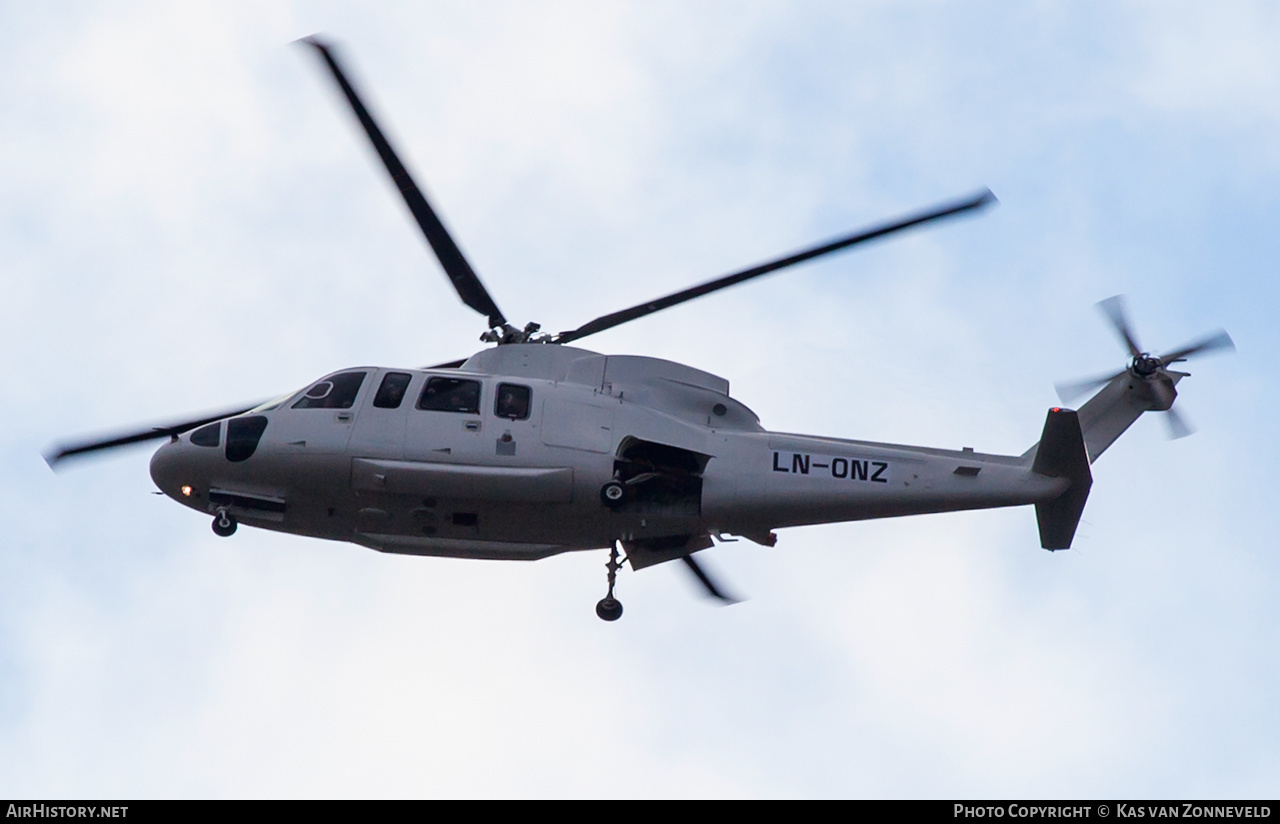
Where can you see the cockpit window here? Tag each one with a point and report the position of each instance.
(209, 435)
(334, 392)
(451, 395)
(243, 435)
(512, 401)
(391, 392)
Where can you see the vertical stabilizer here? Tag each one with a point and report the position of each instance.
(1061, 454)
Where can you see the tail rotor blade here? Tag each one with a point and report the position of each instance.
(464, 279)
(1178, 426)
(707, 584)
(1069, 391)
(1212, 342)
(1153, 373)
(977, 201)
(1114, 309)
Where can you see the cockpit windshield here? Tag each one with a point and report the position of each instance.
(274, 403)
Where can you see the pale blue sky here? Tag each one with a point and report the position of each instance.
(188, 219)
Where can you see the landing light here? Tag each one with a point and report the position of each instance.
(186, 490)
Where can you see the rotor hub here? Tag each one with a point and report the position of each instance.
(506, 333)
(1144, 365)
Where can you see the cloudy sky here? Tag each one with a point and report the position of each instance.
(189, 219)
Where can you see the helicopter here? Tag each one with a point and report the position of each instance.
(533, 447)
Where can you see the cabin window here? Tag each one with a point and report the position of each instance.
(450, 395)
(512, 401)
(334, 392)
(392, 390)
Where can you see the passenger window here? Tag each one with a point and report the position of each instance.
(512, 401)
(451, 395)
(336, 392)
(392, 390)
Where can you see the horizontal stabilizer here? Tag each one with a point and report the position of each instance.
(1061, 454)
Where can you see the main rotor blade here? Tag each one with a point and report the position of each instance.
(713, 590)
(1113, 308)
(464, 279)
(976, 201)
(453, 364)
(60, 452)
(1209, 343)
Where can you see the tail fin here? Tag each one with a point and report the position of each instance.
(1061, 454)
(1073, 440)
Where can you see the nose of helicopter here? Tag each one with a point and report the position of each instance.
(170, 471)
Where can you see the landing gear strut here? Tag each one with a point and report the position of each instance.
(610, 608)
(224, 524)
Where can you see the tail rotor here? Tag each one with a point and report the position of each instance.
(1153, 371)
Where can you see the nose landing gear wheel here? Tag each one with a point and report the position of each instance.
(224, 524)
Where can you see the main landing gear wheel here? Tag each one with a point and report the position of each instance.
(224, 524)
(613, 494)
(610, 608)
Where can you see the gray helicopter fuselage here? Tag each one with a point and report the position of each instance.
(506, 458)
(534, 448)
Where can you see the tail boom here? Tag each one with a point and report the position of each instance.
(1107, 415)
